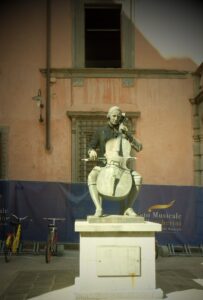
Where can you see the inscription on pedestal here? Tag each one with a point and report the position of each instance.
(118, 261)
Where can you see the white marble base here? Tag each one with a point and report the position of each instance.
(117, 261)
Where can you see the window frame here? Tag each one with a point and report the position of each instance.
(127, 32)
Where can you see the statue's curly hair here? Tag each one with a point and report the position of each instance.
(111, 109)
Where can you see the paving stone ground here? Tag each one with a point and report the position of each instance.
(27, 276)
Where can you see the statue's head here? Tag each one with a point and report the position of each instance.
(114, 115)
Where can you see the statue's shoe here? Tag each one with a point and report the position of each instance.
(98, 212)
(130, 212)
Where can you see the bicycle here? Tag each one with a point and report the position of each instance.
(52, 238)
(13, 239)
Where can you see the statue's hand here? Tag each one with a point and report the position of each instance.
(92, 154)
(123, 128)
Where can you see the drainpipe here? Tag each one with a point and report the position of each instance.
(48, 92)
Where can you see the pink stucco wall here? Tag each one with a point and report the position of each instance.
(165, 125)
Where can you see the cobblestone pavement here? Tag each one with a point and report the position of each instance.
(28, 276)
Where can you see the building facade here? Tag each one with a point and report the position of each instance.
(63, 64)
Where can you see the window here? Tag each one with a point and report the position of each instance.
(102, 36)
(84, 125)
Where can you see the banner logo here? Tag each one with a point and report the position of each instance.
(161, 206)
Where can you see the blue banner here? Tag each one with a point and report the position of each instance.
(178, 208)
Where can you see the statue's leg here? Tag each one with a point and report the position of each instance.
(137, 182)
(96, 198)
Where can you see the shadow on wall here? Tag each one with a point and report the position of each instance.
(148, 57)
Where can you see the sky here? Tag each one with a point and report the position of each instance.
(173, 27)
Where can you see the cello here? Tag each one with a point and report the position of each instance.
(115, 179)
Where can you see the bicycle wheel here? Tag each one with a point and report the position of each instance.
(156, 250)
(54, 245)
(8, 249)
(48, 250)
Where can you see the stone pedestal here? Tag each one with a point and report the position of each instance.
(117, 259)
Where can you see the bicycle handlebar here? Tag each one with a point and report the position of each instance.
(54, 219)
(18, 219)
